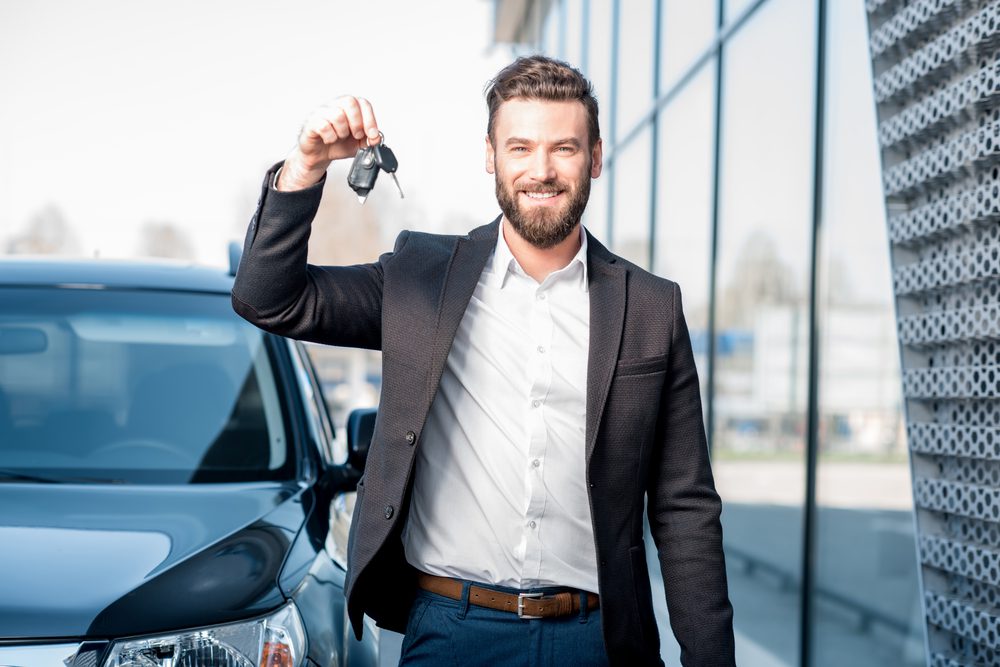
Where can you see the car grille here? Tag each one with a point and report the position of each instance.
(50, 655)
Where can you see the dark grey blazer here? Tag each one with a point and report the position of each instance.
(645, 436)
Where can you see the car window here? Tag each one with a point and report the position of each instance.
(136, 386)
(317, 419)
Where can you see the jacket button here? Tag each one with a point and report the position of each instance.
(604, 563)
(388, 511)
(411, 437)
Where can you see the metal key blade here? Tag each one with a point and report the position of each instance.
(363, 198)
(396, 181)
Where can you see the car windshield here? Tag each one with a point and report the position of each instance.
(132, 386)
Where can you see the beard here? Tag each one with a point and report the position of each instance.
(541, 226)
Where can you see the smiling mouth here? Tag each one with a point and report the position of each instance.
(540, 195)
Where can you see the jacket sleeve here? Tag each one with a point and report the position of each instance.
(684, 511)
(277, 290)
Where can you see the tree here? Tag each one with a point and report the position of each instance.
(48, 233)
(164, 239)
(344, 231)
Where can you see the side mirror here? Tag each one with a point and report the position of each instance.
(360, 427)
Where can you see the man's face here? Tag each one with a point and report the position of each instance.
(543, 164)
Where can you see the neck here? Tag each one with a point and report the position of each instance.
(540, 262)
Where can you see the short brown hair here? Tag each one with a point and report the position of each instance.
(542, 78)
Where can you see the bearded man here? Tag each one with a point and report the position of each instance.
(537, 391)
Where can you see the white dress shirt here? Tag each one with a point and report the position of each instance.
(500, 486)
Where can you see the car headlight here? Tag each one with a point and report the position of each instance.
(277, 640)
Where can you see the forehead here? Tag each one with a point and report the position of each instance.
(540, 119)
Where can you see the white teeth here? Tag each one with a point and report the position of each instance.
(541, 195)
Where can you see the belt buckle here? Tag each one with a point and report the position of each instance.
(521, 597)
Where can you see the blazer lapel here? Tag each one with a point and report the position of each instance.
(464, 268)
(607, 317)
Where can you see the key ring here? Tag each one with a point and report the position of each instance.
(368, 141)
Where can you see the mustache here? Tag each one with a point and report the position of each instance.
(545, 187)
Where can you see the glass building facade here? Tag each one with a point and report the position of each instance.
(742, 161)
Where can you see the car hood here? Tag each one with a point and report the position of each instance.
(109, 561)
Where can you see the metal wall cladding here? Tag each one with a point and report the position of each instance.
(936, 66)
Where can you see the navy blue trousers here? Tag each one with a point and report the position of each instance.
(442, 632)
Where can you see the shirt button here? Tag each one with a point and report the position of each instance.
(535, 403)
(541, 297)
(532, 524)
(411, 437)
(541, 349)
(536, 463)
(388, 511)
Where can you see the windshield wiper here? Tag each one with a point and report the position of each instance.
(7, 475)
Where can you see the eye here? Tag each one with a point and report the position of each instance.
(518, 149)
(566, 150)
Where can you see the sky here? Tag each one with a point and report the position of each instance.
(125, 112)
(122, 113)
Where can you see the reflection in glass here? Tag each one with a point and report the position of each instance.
(687, 29)
(573, 18)
(550, 31)
(684, 205)
(631, 206)
(866, 602)
(599, 60)
(733, 9)
(595, 217)
(635, 64)
(762, 320)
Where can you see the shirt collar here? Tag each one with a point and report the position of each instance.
(504, 263)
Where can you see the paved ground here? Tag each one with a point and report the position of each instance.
(868, 609)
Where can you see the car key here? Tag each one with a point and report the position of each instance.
(364, 171)
(386, 160)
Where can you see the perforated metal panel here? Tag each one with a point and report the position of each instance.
(936, 67)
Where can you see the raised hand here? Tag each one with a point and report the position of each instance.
(332, 132)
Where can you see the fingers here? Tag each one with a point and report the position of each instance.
(355, 125)
(338, 129)
(368, 118)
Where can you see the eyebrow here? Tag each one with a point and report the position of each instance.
(572, 141)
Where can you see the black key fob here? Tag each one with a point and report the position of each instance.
(364, 172)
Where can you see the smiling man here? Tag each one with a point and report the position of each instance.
(537, 391)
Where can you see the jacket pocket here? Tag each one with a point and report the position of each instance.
(641, 365)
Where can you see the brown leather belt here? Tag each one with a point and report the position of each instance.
(525, 605)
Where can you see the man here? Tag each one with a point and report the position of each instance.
(536, 390)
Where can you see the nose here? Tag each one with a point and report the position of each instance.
(542, 168)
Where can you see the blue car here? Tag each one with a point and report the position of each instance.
(171, 493)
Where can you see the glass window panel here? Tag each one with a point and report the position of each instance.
(573, 35)
(635, 62)
(684, 204)
(762, 321)
(630, 224)
(599, 59)
(867, 600)
(734, 8)
(687, 29)
(683, 238)
(550, 31)
(595, 217)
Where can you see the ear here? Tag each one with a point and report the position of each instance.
(490, 155)
(596, 159)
